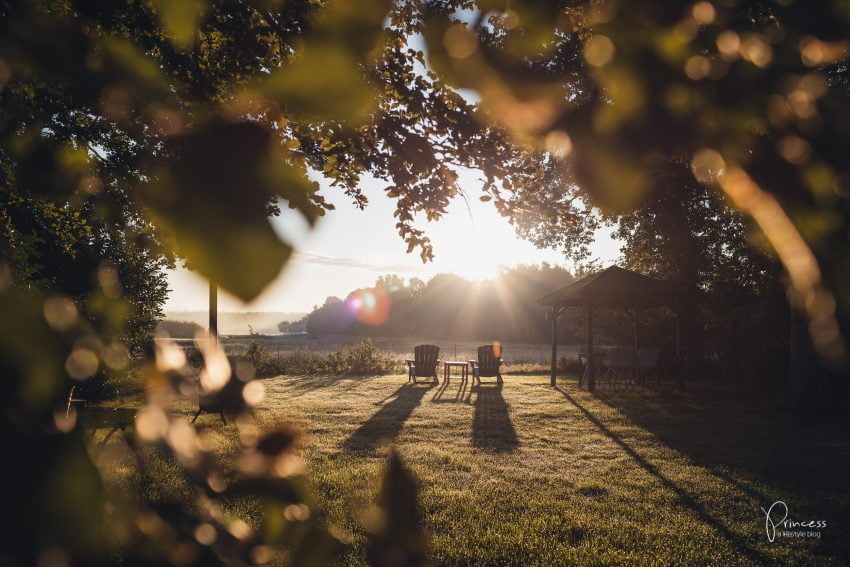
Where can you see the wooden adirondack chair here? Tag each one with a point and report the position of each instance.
(424, 363)
(488, 363)
(90, 419)
(222, 402)
(208, 405)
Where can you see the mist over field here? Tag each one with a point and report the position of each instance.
(230, 323)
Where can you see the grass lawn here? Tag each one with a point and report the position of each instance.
(528, 474)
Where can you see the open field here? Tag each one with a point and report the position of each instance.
(402, 347)
(528, 474)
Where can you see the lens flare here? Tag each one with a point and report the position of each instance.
(370, 306)
(60, 312)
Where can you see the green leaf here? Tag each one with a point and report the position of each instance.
(123, 62)
(46, 166)
(31, 354)
(180, 18)
(339, 91)
(325, 79)
(214, 201)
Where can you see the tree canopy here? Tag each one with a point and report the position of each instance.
(207, 115)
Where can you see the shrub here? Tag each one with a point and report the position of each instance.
(362, 358)
(105, 385)
(257, 354)
(302, 362)
(357, 360)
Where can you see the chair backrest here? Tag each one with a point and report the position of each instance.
(620, 358)
(425, 358)
(228, 398)
(489, 359)
(647, 358)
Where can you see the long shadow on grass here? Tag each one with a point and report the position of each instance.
(681, 421)
(684, 497)
(386, 423)
(441, 389)
(760, 438)
(296, 386)
(443, 395)
(492, 428)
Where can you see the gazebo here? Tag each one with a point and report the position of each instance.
(613, 287)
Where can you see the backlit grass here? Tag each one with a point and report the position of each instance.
(534, 475)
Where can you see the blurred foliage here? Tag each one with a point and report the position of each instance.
(745, 96)
(136, 133)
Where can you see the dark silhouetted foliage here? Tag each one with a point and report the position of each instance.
(448, 306)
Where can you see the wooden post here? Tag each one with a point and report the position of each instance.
(591, 367)
(554, 316)
(213, 312)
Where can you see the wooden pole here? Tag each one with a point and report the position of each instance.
(213, 310)
(554, 345)
(591, 367)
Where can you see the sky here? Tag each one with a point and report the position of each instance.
(349, 248)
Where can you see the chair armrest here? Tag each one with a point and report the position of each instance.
(409, 361)
(474, 363)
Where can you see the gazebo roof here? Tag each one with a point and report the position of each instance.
(614, 287)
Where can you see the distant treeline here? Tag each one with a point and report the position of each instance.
(179, 329)
(446, 306)
(293, 327)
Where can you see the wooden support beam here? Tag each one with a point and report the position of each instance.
(213, 312)
(555, 313)
(591, 367)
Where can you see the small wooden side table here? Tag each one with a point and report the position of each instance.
(447, 369)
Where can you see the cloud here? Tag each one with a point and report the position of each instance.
(354, 263)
